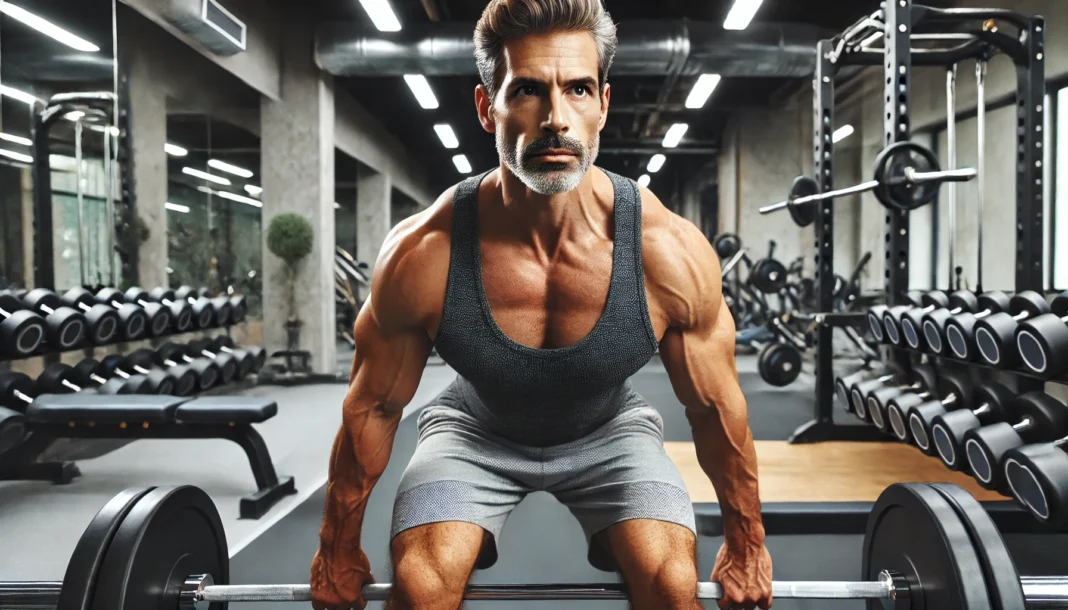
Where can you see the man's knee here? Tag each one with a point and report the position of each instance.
(675, 580)
(432, 564)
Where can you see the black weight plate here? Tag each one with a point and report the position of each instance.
(893, 190)
(84, 566)
(805, 213)
(1002, 579)
(169, 535)
(768, 276)
(779, 364)
(913, 530)
(726, 245)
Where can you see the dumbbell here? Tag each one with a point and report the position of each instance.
(208, 372)
(922, 380)
(858, 392)
(200, 306)
(959, 330)
(929, 301)
(995, 335)
(16, 391)
(65, 328)
(238, 308)
(952, 390)
(12, 429)
(102, 321)
(231, 366)
(179, 313)
(842, 385)
(938, 430)
(257, 354)
(119, 365)
(159, 319)
(201, 313)
(1038, 418)
(186, 379)
(935, 323)
(1038, 479)
(1042, 342)
(22, 330)
(912, 321)
(132, 320)
(60, 378)
(877, 313)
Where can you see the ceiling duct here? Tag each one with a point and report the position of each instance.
(208, 22)
(646, 48)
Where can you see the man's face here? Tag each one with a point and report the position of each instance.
(548, 111)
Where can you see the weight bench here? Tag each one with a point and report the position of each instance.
(87, 415)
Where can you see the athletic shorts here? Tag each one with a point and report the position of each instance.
(462, 472)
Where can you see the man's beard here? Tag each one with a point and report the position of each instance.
(543, 177)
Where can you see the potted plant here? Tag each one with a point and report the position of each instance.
(290, 238)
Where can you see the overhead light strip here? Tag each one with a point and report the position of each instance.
(47, 28)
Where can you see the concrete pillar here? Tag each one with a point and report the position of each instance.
(373, 211)
(297, 143)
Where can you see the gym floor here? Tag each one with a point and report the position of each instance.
(42, 522)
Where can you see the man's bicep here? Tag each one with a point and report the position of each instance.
(700, 363)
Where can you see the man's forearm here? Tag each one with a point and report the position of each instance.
(726, 453)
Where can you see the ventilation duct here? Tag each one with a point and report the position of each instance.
(208, 22)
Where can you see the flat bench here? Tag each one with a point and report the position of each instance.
(98, 416)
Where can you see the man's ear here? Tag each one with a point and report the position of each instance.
(484, 105)
(604, 106)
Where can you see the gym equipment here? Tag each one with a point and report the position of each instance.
(726, 245)
(946, 428)
(199, 302)
(844, 385)
(225, 344)
(1040, 418)
(959, 330)
(224, 311)
(172, 355)
(1042, 343)
(119, 365)
(12, 429)
(929, 301)
(907, 177)
(952, 389)
(995, 334)
(16, 388)
(157, 319)
(230, 365)
(203, 313)
(180, 312)
(768, 276)
(22, 330)
(1038, 479)
(132, 320)
(859, 391)
(65, 328)
(923, 381)
(61, 378)
(164, 548)
(101, 321)
(912, 321)
(239, 308)
(877, 314)
(779, 364)
(934, 323)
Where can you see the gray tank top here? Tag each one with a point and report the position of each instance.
(543, 397)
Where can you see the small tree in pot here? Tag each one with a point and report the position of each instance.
(290, 238)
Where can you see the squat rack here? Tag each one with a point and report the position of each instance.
(979, 38)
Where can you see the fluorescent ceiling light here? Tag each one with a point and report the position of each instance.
(462, 164)
(842, 133)
(253, 190)
(175, 150)
(205, 176)
(644, 180)
(674, 135)
(16, 156)
(421, 90)
(656, 163)
(447, 136)
(230, 169)
(381, 14)
(240, 198)
(16, 139)
(176, 207)
(702, 90)
(21, 96)
(741, 14)
(47, 28)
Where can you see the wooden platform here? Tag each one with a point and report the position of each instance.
(828, 472)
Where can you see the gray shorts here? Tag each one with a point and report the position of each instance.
(462, 472)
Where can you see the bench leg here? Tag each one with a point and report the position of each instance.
(269, 488)
(20, 463)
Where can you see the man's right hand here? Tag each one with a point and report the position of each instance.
(338, 585)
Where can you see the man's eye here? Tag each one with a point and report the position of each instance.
(527, 90)
(581, 90)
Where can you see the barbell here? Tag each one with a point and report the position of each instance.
(907, 177)
(926, 546)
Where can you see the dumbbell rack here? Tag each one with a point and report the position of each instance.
(898, 19)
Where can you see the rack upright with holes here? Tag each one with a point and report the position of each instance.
(979, 37)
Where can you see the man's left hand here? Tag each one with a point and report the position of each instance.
(745, 575)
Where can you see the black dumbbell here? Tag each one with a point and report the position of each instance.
(1042, 342)
(12, 429)
(929, 301)
(65, 328)
(1038, 418)
(100, 323)
(842, 385)
(90, 375)
(159, 318)
(256, 353)
(936, 322)
(208, 373)
(224, 312)
(200, 304)
(179, 313)
(1038, 479)
(938, 430)
(16, 391)
(120, 365)
(922, 380)
(995, 335)
(912, 321)
(952, 390)
(186, 380)
(238, 308)
(230, 366)
(877, 313)
(22, 330)
(201, 313)
(132, 320)
(858, 392)
(959, 330)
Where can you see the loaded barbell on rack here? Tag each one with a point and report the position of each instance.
(164, 548)
(907, 177)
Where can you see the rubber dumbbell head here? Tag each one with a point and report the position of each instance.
(1038, 480)
(12, 429)
(105, 326)
(875, 322)
(159, 381)
(934, 323)
(959, 330)
(922, 380)
(89, 372)
(227, 363)
(184, 378)
(133, 320)
(208, 373)
(16, 391)
(951, 391)
(238, 308)
(181, 310)
(929, 301)
(57, 378)
(179, 314)
(247, 361)
(203, 310)
(159, 319)
(940, 431)
(21, 331)
(912, 321)
(101, 322)
(995, 335)
(65, 328)
(1038, 418)
(1042, 342)
(858, 392)
(224, 312)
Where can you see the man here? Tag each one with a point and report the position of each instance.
(546, 283)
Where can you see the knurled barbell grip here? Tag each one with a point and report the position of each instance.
(852, 190)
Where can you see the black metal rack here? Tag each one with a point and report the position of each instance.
(980, 38)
